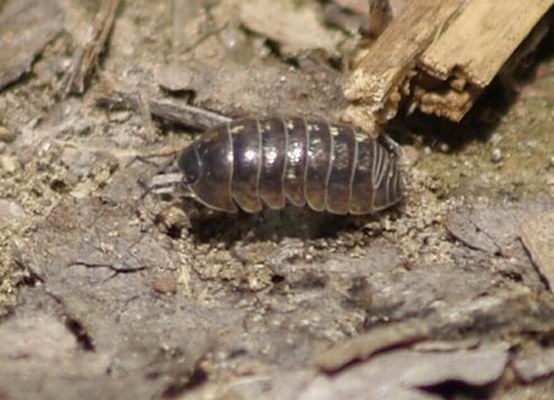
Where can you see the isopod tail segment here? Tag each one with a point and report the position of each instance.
(256, 163)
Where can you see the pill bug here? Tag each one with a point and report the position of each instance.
(256, 163)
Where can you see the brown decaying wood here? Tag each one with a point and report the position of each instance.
(375, 85)
(439, 56)
(85, 59)
(474, 49)
(364, 346)
(482, 39)
(379, 16)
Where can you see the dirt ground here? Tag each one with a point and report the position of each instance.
(105, 293)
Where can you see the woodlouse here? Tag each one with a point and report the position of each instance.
(255, 162)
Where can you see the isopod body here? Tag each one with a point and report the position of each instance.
(254, 163)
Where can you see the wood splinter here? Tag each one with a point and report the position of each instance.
(85, 58)
(439, 55)
(165, 109)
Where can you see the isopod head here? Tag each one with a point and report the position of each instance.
(190, 164)
(207, 168)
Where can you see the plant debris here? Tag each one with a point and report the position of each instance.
(85, 58)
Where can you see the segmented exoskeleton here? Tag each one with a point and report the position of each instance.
(253, 163)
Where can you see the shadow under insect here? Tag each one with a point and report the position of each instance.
(208, 225)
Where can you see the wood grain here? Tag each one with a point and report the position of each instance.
(483, 38)
(438, 56)
(474, 50)
(375, 85)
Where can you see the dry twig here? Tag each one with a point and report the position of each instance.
(85, 58)
(439, 55)
(168, 110)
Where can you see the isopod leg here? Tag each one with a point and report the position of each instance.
(394, 147)
(401, 164)
(391, 145)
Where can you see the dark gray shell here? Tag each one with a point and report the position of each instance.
(254, 163)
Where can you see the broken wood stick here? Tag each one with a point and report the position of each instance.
(439, 56)
(85, 59)
(485, 38)
(165, 109)
(380, 15)
(379, 339)
(379, 83)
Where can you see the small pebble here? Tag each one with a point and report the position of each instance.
(496, 155)
(8, 163)
(119, 116)
(165, 285)
(5, 135)
(495, 139)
